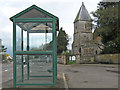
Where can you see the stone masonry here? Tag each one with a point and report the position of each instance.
(83, 43)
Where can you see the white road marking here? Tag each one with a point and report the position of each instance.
(6, 70)
(65, 82)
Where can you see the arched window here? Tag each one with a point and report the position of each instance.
(96, 52)
(79, 50)
(86, 51)
(85, 27)
(76, 27)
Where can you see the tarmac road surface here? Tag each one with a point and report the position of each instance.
(89, 76)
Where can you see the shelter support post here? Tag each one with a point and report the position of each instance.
(22, 55)
(14, 55)
(54, 53)
(28, 70)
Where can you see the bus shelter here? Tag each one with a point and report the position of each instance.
(34, 47)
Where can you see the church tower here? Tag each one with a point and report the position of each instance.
(83, 36)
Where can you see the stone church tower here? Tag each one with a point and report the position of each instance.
(83, 43)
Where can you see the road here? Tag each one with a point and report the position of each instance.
(89, 76)
(78, 76)
(7, 72)
(7, 69)
(0, 75)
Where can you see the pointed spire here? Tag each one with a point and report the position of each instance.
(83, 14)
(82, 3)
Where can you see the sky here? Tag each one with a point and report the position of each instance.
(66, 10)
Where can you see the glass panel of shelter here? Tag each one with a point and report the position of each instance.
(40, 36)
(40, 70)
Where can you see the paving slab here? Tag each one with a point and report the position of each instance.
(60, 83)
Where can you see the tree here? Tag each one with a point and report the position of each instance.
(106, 18)
(47, 46)
(62, 41)
(4, 49)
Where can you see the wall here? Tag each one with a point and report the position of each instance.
(61, 59)
(108, 58)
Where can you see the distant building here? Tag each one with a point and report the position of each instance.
(0, 45)
(2, 51)
(83, 42)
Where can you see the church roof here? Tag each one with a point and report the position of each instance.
(83, 14)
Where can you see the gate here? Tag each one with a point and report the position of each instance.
(70, 59)
(34, 47)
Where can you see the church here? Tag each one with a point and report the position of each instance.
(83, 42)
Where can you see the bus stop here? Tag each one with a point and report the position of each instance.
(34, 47)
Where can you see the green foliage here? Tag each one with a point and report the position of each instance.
(106, 17)
(4, 49)
(62, 41)
(68, 52)
(72, 62)
(47, 46)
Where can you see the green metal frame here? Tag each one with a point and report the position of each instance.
(33, 52)
(15, 20)
(33, 84)
(14, 55)
(54, 52)
(28, 65)
(41, 76)
(33, 20)
(34, 7)
(22, 55)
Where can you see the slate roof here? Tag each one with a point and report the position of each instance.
(83, 14)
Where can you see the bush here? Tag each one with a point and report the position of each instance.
(72, 62)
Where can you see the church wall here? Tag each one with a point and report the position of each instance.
(83, 36)
(79, 26)
(86, 37)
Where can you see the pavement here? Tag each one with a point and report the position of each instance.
(60, 83)
(7, 76)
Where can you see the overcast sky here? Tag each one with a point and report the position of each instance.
(66, 10)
